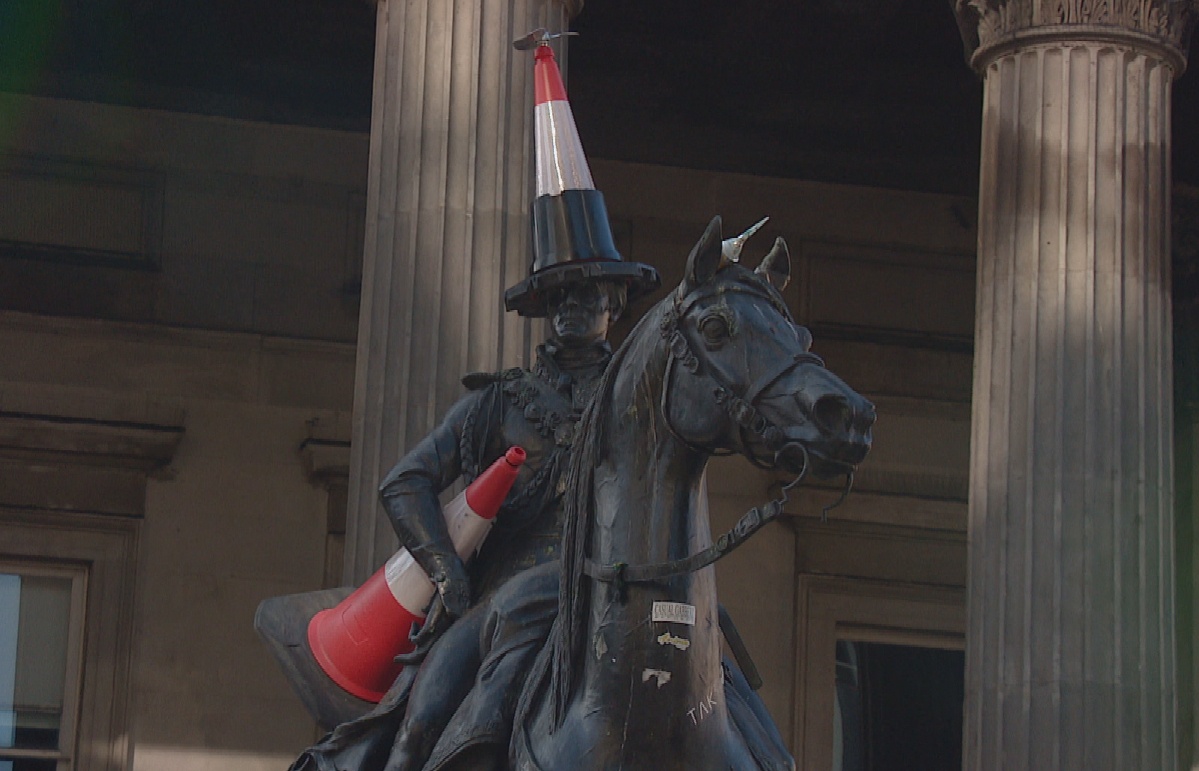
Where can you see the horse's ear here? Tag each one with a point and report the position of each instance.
(706, 256)
(776, 265)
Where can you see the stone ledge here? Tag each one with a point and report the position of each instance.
(326, 461)
(145, 447)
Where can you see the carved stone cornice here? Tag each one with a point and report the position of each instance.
(991, 28)
(326, 452)
(55, 439)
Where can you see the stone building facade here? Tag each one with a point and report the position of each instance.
(202, 378)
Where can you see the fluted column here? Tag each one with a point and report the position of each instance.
(447, 228)
(1070, 653)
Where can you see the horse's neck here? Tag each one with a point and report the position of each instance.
(649, 504)
(650, 501)
(650, 507)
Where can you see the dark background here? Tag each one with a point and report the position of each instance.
(870, 92)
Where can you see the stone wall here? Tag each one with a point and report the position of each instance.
(231, 518)
(180, 220)
(195, 278)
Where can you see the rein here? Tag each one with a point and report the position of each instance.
(620, 574)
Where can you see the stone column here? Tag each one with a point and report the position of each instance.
(447, 228)
(1070, 651)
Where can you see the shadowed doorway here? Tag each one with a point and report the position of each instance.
(898, 708)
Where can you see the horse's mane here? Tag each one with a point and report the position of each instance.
(561, 658)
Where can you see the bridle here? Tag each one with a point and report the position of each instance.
(739, 405)
(736, 402)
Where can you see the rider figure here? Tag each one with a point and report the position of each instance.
(471, 675)
(536, 409)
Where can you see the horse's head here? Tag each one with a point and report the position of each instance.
(741, 376)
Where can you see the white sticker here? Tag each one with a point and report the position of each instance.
(666, 638)
(662, 677)
(674, 612)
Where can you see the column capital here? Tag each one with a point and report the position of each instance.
(991, 28)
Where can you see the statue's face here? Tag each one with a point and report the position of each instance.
(579, 314)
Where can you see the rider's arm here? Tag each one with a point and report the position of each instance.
(409, 494)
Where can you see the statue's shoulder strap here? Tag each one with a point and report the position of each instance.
(482, 416)
(476, 380)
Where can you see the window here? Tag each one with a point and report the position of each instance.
(898, 706)
(41, 641)
(66, 610)
(72, 497)
(863, 645)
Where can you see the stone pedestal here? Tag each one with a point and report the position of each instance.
(447, 229)
(1070, 649)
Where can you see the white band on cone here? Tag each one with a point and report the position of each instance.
(561, 164)
(409, 585)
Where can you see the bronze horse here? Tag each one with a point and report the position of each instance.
(632, 676)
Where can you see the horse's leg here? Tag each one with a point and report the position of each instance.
(444, 679)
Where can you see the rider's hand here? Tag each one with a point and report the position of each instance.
(449, 576)
(427, 633)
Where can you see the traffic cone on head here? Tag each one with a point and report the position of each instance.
(356, 642)
(572, 238)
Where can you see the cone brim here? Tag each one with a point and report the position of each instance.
(528, 298)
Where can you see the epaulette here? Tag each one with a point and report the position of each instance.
(476, 380)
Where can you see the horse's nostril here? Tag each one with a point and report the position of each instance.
(833, 413)
(867, 417)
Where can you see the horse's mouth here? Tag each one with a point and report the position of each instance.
(811, 458)
(824, 467)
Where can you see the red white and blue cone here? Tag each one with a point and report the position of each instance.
(560, 162)
(356, 642)
(572, 238)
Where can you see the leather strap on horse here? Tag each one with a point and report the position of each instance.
(621, 573)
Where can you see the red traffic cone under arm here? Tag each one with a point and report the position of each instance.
(356, 642)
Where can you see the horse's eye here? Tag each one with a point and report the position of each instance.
(714, 329)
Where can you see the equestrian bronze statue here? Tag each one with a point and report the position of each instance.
(586, 635)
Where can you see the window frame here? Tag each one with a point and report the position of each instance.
(106, 548)
(77, 574)
(860, 610)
